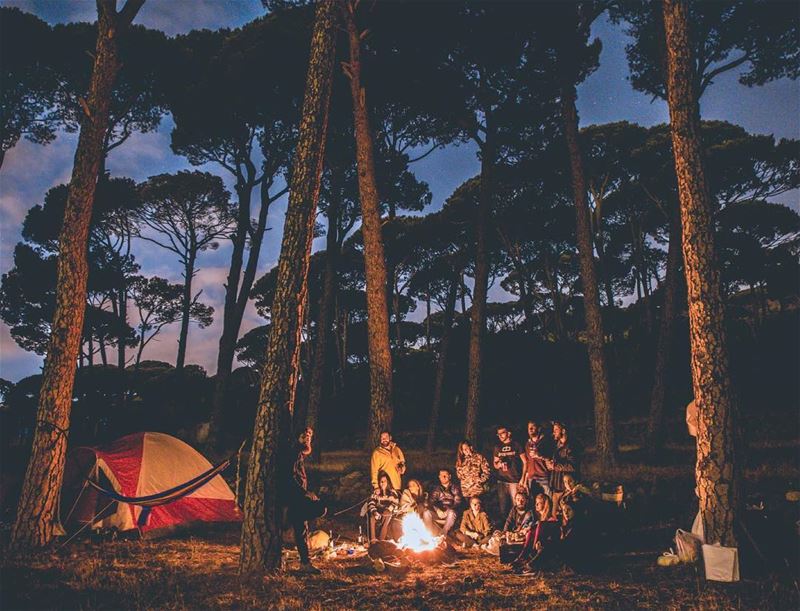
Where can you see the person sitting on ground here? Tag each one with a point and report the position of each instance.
(538, 450)
(574, 492)
(519, 519)
(389, 458)
(572, 549)
(475, 526)
(472, 470)
(412, 499)
(443, 501)
(545, 530)
(381, 508)
(575, 549)
(563, 461)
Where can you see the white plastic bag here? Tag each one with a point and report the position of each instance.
(721, 563)
(687, 546)
(697, 527)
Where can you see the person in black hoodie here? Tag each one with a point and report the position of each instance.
(299, 504)
(443, 502)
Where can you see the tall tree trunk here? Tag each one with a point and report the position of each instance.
(555, 292)
(713, 393)
(122, 296)
(186, 307)
(380, 356)
(603, 418)
(261, 527)
(234, 313)
(317, 379)
(477, 329)
(230, 330)
(655, 420)
(441, 363)
(103, 354)
(90, 348)
(428, 320)
(602, 268)
(36, 514)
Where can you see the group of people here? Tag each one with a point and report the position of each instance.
(541, 504)
(542, 507)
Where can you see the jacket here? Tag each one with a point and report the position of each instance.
(475, 523)
(383, 502)
(445, 498)
(563, 462)
(473, 473)
(517, 520)
(387, 460)
(410, 503)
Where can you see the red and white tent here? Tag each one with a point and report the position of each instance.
(139, 465)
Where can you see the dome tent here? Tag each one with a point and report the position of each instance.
(139, 465)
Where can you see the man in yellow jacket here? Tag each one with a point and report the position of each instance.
(387, 457)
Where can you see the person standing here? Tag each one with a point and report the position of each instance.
(537, 451)
(508, 460)
(389, 458)
(300, 505)
(564, 461)
(472, 469)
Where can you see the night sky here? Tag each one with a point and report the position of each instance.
(29, 170)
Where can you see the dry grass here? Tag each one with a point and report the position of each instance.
(197, 573)
(200, 572)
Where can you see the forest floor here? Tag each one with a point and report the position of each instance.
(199, 570)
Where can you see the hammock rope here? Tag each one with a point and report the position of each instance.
(165, 496)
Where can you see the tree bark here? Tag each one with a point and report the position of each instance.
(317, 378)
(36, 518)
(380, 356)
(655, 420)
(441, 363)
(477, 329)
(186, 308)
(261, 527)
(603, 417)
(713, 392)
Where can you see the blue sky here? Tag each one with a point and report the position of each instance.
(29, 170)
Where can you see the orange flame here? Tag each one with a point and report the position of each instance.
(416, 536)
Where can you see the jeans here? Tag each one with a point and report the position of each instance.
(469, 541)
(505, 497)
(297, 512)
(443, 518)
(535, 484)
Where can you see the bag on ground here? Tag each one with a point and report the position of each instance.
(688, 546)
(721, 563)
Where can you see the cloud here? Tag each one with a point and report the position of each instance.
(172, 17)
(16, 363)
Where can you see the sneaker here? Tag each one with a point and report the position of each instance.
(528, 570)
(306, 568)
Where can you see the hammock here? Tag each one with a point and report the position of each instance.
(165, 496)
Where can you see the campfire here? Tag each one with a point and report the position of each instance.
(417, 546)
(416, 536)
